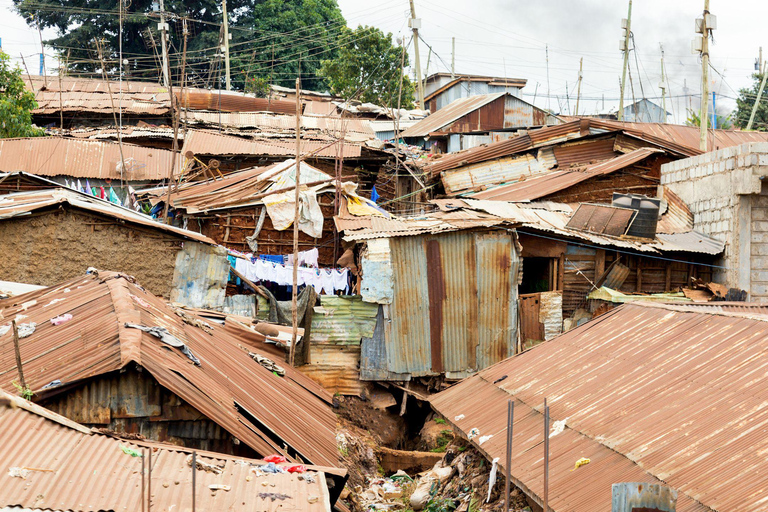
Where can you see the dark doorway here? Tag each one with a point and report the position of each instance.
(537, 275)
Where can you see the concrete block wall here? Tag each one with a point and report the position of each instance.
(719, 187)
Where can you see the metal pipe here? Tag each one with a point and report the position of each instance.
(510, 420)
(16, 348)
(149, 482)
(194, 478)
(546, 456)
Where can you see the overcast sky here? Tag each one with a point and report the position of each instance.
(508, 38)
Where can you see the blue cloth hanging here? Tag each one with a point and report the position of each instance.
(273, 258)
(374, 195)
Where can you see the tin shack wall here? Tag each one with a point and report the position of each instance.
(454, 308)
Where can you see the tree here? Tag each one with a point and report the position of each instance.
(368, 68)
(16, 103)
(270, 39)
(723, 122)
(746, 101)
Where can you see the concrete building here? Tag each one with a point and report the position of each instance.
(728, 196)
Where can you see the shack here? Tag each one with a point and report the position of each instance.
(77, 468)
(104, 352)
(617, 396)
(55, 234)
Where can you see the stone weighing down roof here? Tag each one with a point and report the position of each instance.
(81, 470)
(666, 394)
(228, 386)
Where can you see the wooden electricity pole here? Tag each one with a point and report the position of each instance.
(163, 27)
(294, 289)
(226, 44)
(578, 89)
(625, 49)
(663, 84)
(415, 24)
(704, 113)
(453, 58)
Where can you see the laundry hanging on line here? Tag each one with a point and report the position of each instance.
(323, 280)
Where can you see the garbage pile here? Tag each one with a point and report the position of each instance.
(385, 493)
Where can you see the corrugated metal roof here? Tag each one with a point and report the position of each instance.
(678, 217)
(584, 152)
(57, 156)
(449, 114)
(546, 184)
(291, 411)
(553, 135)
(238, 189)
(602, 218)
(457, 214)
(49, 102)
(211, 143)
(77, 469)
(649, 393)
(23, 203)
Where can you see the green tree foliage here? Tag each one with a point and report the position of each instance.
(270, 39)
(16, 103)
(368, 69)
(746, 101)
(723, 122)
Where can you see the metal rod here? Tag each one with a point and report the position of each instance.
(510, 420)
(18, 355)
(546, 456)
(194, 478)
(149, 481)
(143, 469)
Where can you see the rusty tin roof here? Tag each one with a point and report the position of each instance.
(78, 469)
(78, 158)
(293, 409)
(650, 393)
(211, 143)
(20, 204)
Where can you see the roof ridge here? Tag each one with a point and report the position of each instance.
(691, 308)
(126, 312)
(41, 411)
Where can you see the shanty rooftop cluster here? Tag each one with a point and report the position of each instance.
(477, 254)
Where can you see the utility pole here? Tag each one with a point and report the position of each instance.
(163, 28)
(703, 25)
(578, 90)
(663, 85)
(226, 43)
(295, 287)
(415, 24)
(453, 58)
(627, 26)
(759, 94)
(546, 53)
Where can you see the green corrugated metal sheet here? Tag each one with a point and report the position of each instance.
(343, 320)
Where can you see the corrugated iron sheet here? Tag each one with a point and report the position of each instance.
(211, 143)
(480, 176)
(80, 470)
(354, 129)
(291, 411)
(584, 152)
(56, 156)
(678, 217)
(342, 320)
(557, 181)
(450, 113)
(227, 101)
(649, 393)
(454, 303)
(601, 218)
(200, 276)
(49, 102)
(24, 203)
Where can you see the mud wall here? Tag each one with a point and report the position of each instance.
(53, 246)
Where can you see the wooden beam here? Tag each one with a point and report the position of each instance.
(248, 282)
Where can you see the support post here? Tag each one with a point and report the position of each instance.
(663, 84)
(510, 421)
(143, 483)
(149, 481)
(546, 456)
(759, 94)
(627, 31)
(18, 355)
(453, 58)
(415, 24)
(294, 289)
(194, 480)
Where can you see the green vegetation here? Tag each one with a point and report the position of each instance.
(16, 103)
(368, 68)
(445, 437)
(746, 101)
(24, 391)
(440, 421)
